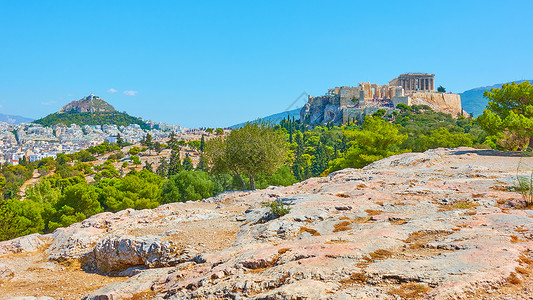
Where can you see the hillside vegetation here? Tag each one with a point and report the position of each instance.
(87, 118)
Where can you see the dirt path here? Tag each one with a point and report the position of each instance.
(33, 180)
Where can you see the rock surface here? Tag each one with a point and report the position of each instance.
(122, 252)
(444, 224)
(90, 103)
(28, 243)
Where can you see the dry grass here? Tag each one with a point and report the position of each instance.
(513, 278)
(271, 263)
(342, 226)
(337, 242)
(381, 254)
(465, 205)
(418, 239)
(501, 201)
(312, 231)
(344, 218)
(358, 277)
(398, 221)
(362, 220)
(520, 229)
(342, 195)
(525, 260)
(500, 188)
(283, 250)
(522, 270)
(515, 239)
(410, 290)
(148, 294)
(372, 212)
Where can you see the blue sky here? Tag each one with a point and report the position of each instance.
(217, 63)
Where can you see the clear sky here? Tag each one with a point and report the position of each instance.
(217, 63)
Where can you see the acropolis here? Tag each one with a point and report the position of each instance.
(346, 103)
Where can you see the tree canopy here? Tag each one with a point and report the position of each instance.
(508, 117)
(250, 150)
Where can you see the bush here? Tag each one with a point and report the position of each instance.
(278, 208)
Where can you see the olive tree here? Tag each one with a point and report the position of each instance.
(254, 149)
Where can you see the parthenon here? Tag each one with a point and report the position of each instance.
(345, 103)
(415, 82)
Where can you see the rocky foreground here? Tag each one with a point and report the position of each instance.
(444, 224)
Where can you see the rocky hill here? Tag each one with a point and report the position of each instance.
(90, 110)
(444, 224)
(90, 104)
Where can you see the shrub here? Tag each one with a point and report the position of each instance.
(278, 208)
(525, 185)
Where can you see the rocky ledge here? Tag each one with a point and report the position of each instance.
(444, 224)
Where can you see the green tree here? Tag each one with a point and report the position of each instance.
(187, 163)
(377, 140)
(174, 166)
(252, 149)
(135, 159)
(441, 89)
(508, 117)
(187, 185)
(162, 169)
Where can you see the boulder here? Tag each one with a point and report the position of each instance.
(28, 243)
(118, 253)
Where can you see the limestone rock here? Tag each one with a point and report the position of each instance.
(140, 283)
(28, 243)
(121, 252)
(6, 273)
(442, 224)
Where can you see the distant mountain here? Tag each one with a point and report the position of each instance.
(473, 100)
(275, 118)
(90, 110)
(14, 119)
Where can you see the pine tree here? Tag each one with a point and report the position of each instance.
(202, 143)
(148, 166)
(162, 169)
(173, 142)
(187, 163)
(175, 162)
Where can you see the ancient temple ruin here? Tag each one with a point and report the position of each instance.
(415, 82)
(346, 103)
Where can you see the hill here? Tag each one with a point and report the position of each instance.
(14, 119)
(90, 103)
(275, 118)
(90, 110)
(99, 118)
(473, 100)
(371, 233)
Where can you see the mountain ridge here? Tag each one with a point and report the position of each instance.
(14, 119)
(474, 102)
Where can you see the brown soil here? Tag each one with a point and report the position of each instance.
(37, 277)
